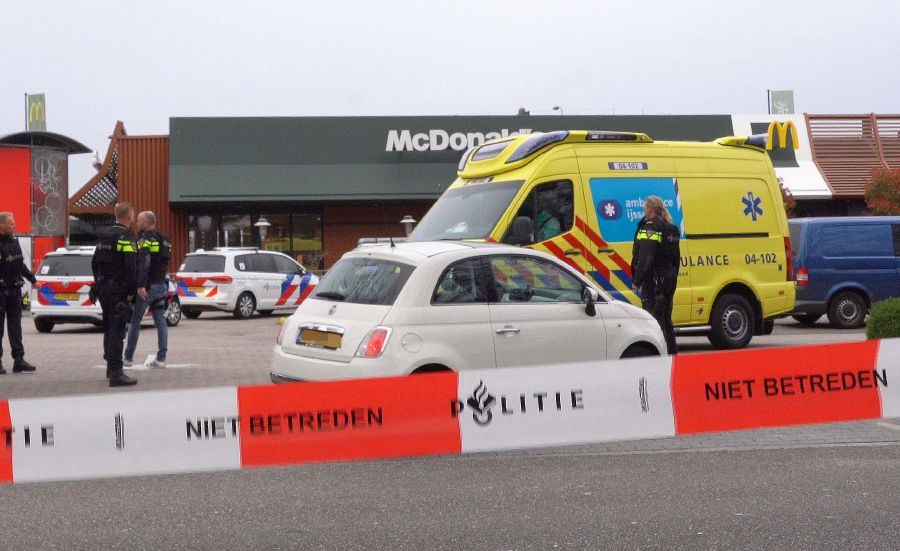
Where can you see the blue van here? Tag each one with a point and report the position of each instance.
(843, 265)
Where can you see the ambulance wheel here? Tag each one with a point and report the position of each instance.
(191, 314)
(43, 326)
(847, 310)
(768, 327)
(807, 319)
(245, 306)
(732, 323)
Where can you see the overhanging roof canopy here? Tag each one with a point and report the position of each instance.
(45, 139)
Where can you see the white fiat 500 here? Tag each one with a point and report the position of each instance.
(433, 306)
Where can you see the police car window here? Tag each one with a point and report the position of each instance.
(285, 265)
(204, 263)
(533, 280)
(242, 263)
(66, 265)
(551, 208)
(263, 263)
(461, 283)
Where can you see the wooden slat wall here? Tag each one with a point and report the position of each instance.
(144, 182)
(889, 139)
(847, 147)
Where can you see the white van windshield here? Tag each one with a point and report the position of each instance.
(467, 212)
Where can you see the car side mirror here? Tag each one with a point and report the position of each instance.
(521, 232)
(589, 297)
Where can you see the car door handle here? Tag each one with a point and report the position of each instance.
(606, 250)
(573, 252)
(508, 330)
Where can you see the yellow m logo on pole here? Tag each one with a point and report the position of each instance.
(782, 128)
(37, 112)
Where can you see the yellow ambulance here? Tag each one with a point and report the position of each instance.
(579, 195)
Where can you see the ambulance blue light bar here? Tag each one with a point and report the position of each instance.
(535, 143)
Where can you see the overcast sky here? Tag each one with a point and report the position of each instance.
(142, 62)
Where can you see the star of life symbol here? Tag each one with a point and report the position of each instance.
(610, 209)
(752, 206)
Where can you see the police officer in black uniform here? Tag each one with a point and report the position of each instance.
(655, 260)
(154, 251)
(115, 272)
(12, 270)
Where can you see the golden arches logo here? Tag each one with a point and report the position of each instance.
(782, 129)
(36, 112)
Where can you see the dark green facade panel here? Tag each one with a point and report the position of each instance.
(230, 160)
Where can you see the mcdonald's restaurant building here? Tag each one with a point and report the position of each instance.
(319, 184)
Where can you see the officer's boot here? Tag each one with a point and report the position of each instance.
(2, 371)
(21, 366)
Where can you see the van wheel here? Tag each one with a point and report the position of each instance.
(191, 314)
(732, 323)
(639, 350)
(807, 319)
(847, 310)
(245, 306)
(43, 325)
(768, 326)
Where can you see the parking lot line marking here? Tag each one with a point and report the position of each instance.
(887, 425)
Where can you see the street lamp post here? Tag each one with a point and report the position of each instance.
(263, 226)
(558, 108)
(408, 222)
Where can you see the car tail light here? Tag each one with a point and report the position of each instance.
(789, 259)
(375, 342)
(802, 276)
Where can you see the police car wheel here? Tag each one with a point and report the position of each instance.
(732, 323)
(847, 310)
(807, 319)
(245, 306)
(191, 314)
(173, 313)
(43, 325)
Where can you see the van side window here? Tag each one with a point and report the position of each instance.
(895, 228)
(263, 263)
(243, 263)
(855, 240)
(551, 208)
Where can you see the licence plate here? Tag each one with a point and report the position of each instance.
(67, 296)
(197, 289)
(319, 339)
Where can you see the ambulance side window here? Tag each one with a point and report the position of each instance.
(551, 208)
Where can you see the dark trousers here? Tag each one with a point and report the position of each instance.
(657, 298)
(114, 325)
(11, 310)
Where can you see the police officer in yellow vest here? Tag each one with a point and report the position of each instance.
(656, 256)
(115, 274)
(154, 250)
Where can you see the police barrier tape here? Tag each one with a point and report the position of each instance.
(195, 430)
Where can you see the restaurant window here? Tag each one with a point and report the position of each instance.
(202, 232)
(235, 231)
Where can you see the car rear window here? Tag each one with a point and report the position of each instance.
(66, 265)
(363, 281)
(204, 263)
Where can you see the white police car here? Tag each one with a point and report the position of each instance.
(241, 280)
(433, 306)
(64, 281)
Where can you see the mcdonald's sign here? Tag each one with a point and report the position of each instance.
(37, 112)
(782, 128)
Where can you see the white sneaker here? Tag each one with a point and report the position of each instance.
(127, 363)
(156, 364)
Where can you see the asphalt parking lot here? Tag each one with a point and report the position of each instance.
(218, 350)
